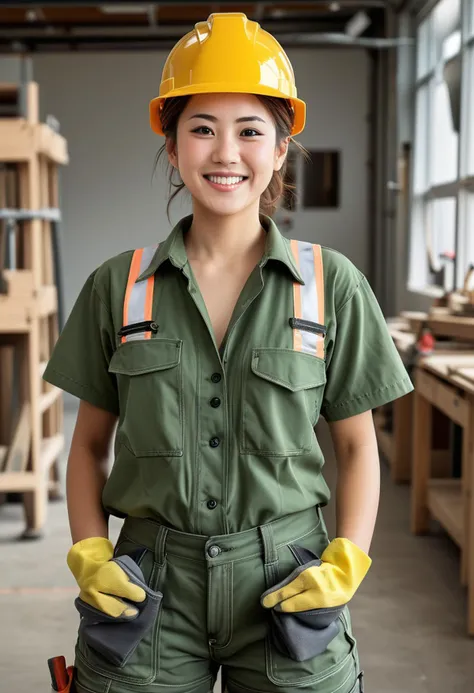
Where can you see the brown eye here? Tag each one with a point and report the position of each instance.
(203, 130)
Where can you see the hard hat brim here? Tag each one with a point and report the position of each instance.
(299, 106)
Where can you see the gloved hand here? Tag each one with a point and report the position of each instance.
(332, 583)
(104, 585)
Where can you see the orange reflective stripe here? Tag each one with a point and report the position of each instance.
(132, 278)
(150, 284)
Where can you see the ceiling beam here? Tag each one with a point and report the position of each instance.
(349, 4)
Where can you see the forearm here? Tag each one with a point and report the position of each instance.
(357, 494)
(85, 480)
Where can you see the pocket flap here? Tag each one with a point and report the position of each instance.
(145, 356)
(294, 370)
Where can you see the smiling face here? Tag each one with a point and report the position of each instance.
(226, 151)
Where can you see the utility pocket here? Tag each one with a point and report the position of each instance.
(149, 378)
(282, 391)
(314, 647)
(141, 667)
(304, 634)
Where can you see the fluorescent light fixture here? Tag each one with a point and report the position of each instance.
(124, 9)
(358, 24)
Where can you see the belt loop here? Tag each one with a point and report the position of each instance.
(160, 544)
(270, 554)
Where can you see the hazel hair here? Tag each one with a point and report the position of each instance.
(283, 117)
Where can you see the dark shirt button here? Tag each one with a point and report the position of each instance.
(212, 504)
(214, 442)
(216, 377)
(215, 402)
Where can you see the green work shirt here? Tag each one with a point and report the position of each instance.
(208, 441)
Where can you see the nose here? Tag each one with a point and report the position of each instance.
(226, 150)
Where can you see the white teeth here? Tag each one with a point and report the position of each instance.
(231, 180)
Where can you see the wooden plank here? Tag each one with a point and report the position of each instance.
(51, 449)
(465, 372)
(14, 482)
(20, 284)
(402, 432)
(22, 141)
(425, 384)
(7, 359)
(445, 503)
(421, 461)
(468, 491)
(447, 400)
(19, 450)
(3, 454)
(49, 398)
(51, 144)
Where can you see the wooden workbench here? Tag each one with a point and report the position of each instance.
(439, 384)
(395, 441)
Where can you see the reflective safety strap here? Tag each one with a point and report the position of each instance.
(138, 302)
(309, 299)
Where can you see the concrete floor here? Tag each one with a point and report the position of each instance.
(409, 614)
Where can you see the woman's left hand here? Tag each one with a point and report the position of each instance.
(330, 583)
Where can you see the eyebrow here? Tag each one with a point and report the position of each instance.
(213, 119)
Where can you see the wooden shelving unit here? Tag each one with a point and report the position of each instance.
(31, 411)
(440, 384)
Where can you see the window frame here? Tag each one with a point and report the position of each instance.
(462, 187)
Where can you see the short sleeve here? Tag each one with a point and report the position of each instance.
(80, 360)
(363, 367)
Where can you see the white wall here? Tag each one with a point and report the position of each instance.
(335, 86)
(109, 203)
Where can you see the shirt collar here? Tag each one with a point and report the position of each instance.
(277, 248)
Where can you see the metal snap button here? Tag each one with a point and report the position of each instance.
(215, 402)
(213, 551)
(212, 504)
(216, 377)
(214, 442)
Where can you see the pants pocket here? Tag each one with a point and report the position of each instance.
(143, 665)
(312, 647)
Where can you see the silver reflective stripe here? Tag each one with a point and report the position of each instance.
(309, 296)
(136, 306)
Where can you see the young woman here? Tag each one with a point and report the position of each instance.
(215, 353)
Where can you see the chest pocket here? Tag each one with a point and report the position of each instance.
(282, 393)
(149, 377)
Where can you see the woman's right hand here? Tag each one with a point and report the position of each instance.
(103, 583)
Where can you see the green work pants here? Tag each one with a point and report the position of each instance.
(211, 615)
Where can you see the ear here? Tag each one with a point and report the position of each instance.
(280, 153)
(172, 152)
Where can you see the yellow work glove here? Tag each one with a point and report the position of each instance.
(332, 583)
(103, 583)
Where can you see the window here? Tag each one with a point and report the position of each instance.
(469, 123)
(321, 180)
(423, 58)
(466, 239)
(421, 142)
(442, 208)
(444, 139)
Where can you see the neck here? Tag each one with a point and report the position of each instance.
(217, 239)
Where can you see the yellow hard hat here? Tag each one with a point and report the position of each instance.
(228, 53)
